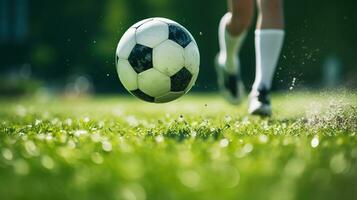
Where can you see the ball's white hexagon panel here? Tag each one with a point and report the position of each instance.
(168, 21)
(168, 97)
(152, 33)
(192, 58)
(168, 57)
(139, 23)
(126, 44)
(154, 83)
(127, 75)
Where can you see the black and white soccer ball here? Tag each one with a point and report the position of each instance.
(157, 60)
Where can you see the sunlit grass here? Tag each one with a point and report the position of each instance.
(198, 147)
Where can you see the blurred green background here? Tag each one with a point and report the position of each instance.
(69, 46)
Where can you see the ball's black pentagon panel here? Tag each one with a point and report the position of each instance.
(180, 80)
(179, 35)
(140, 58)
(141, 95)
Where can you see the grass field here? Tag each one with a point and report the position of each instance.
(196, 148)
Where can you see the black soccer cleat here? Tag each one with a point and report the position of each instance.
(259, 102)
(229, 83)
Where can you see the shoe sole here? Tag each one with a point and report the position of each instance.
(263, 111)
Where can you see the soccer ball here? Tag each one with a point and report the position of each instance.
(157, 60)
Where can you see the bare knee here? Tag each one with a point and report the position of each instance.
(270, 14)
(242, 15)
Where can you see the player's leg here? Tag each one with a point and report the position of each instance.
(240, 16)
(231, 33)
(269, 37)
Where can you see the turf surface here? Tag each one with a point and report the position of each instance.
(196, 148)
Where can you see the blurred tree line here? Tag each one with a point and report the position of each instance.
(69, 38)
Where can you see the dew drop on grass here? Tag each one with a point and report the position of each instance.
(47, 162)
(55, 121)
(49, 137)
(247, 148)
(79, 133)
(223, 143)
(107, 146)
(132, 121)
(71, 144)
(159, 138)
(97, 158)
(315, 142)
(133, 191)
(263, 138)
(338, 163)
(86, 119)
(96, 137)
(69, 122)
(189, 178)
(286, 141)
(7, 154)
(31, 148)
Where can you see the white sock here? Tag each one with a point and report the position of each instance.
(268, 44)
(229, 45)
